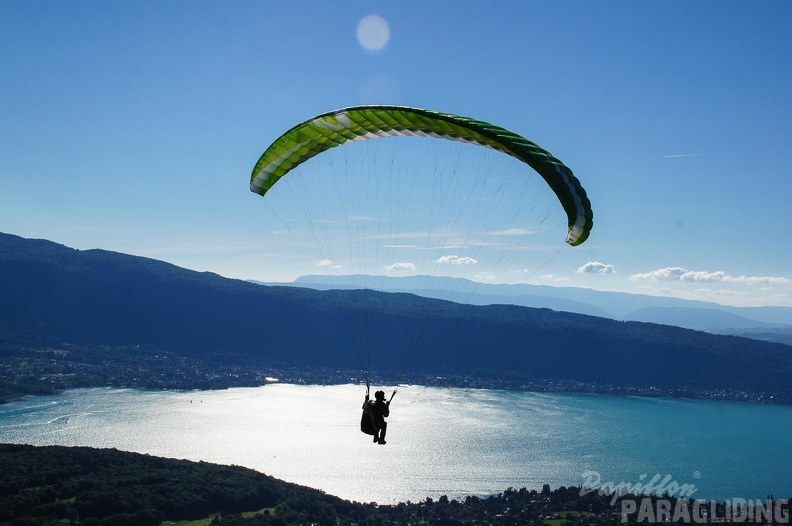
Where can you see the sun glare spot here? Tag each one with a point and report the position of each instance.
(373, 33)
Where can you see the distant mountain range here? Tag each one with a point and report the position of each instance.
(50, 294)
(699, 315)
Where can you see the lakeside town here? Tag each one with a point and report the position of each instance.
(45, 371)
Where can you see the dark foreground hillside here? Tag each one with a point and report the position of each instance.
(98, 487)
(40, 485)
(54, 295)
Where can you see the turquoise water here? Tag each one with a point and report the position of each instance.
(451, 442)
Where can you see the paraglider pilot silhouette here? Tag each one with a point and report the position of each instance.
(374, 412)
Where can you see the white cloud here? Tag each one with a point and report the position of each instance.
(764, 280)
(327, 263)
(595, 267)
(456, 260)
(664, 274)
(401, 235)
(401, 265)
(448, 246)
(355, 217)
(701, 276)
(722, 296)
(514, 232)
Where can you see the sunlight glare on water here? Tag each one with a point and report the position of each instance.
(453, 442)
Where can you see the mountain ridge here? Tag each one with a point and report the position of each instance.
(611, 304)
(53, 293)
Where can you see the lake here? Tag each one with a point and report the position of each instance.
(441, 441)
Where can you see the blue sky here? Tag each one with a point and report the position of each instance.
(134, 126)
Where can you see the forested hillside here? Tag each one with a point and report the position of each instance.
(54, 485)
(53, 294)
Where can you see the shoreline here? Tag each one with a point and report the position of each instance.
(443, 382)
(26, 370)
(545, 448)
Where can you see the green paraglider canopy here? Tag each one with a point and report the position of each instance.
(359, 123)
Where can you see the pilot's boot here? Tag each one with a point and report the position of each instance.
(382, 436)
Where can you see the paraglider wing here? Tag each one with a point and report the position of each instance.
(359, 123)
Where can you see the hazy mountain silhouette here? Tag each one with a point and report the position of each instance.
(691, 314)
(52, 293)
